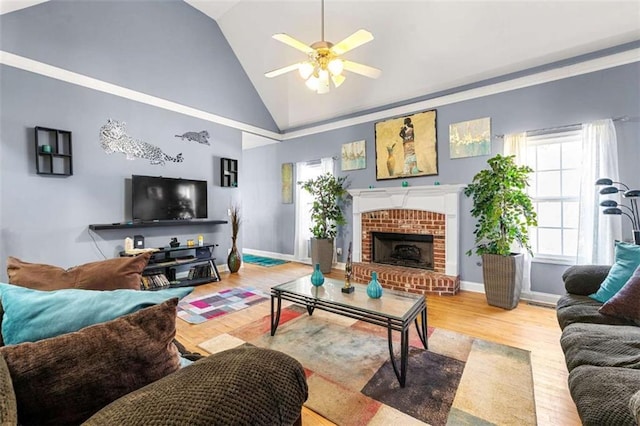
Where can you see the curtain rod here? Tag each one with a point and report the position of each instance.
(566, 127)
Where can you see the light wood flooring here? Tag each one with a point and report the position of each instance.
(529, 327)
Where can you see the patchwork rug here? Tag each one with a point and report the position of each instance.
(262, 261)
(460, 380)
(200, 309)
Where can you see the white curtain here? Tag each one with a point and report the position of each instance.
(516, 144)
(597, 232)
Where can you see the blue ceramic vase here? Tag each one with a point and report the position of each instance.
(374, 289)
(317, 279)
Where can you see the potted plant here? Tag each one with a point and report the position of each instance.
(326, 214)
(504, 212)
(234, 260)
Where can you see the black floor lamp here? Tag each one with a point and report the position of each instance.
(613, 208)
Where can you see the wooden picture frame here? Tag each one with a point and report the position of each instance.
(407, 146)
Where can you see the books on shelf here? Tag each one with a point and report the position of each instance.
(154, 281)
(199, 271)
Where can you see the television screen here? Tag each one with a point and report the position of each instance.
(160, 198)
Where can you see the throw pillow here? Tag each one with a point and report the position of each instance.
(32, 315)
(110, 274)
(625, 303)
(627, 260)
(66, 379)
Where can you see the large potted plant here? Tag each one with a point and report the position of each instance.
(328, 192)
(504, 212)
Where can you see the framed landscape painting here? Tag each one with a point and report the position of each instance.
(407, 146)
(354, 156)
(470, 138)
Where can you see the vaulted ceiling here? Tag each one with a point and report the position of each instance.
(421, 46)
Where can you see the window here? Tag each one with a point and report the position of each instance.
(556, 159)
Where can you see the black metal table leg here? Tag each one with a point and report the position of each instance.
(422, 328)
(276, 321)
(404, 355)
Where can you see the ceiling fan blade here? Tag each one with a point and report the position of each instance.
(281, 71)
(287, 39)
(361, 69)
(356, 39)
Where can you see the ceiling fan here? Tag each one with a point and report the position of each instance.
(324, 61)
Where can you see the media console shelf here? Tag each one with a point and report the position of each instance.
(161, 271)
(155, 223)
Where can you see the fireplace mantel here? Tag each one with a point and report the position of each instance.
(444, 199)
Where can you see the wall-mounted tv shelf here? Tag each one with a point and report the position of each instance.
(53, 152)
(161, 271)
(155, 223)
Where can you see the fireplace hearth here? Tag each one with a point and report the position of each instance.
(398, 249)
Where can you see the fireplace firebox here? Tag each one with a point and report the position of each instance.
(410, 250)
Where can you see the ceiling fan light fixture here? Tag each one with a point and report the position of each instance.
(313, 83)
(305, 69)
(323, 82)
(336, 66)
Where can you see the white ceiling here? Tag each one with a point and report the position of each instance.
(421, 47)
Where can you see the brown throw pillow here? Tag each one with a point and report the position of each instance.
(66, 379)
(626, 302)
(111, 274)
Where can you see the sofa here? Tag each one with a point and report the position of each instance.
(602, 351)
(72, 352)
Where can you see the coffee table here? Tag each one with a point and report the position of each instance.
(394, 310)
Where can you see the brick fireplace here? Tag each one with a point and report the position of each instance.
(431, 214)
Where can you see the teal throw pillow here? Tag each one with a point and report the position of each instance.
(32, 315)
(627, 260)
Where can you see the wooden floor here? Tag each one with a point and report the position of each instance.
(533, 328)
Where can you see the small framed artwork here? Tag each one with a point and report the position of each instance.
(407, 146)
(354, 156)
(287, 183)
(470, 138)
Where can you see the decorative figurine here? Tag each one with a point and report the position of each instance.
(174, 242)
(348, 270)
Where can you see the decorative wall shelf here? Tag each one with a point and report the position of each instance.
(228, 172)
(53, 152)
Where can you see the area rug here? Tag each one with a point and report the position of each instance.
(460, 380)
(262, 261)
(213, 305)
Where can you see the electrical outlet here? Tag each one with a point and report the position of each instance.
(339, 251)
(228, 212)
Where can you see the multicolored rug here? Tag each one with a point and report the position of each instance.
(213, 305)
(262, 261)
(460, 380)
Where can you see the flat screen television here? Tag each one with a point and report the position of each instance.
(161, 198)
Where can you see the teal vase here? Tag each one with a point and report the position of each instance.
(317, 279)
(374, 289)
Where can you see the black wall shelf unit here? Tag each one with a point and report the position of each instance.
(228, 172)
(150, 224)
(53, 152)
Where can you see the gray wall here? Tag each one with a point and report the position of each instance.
(45, 219)
(603, 94)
